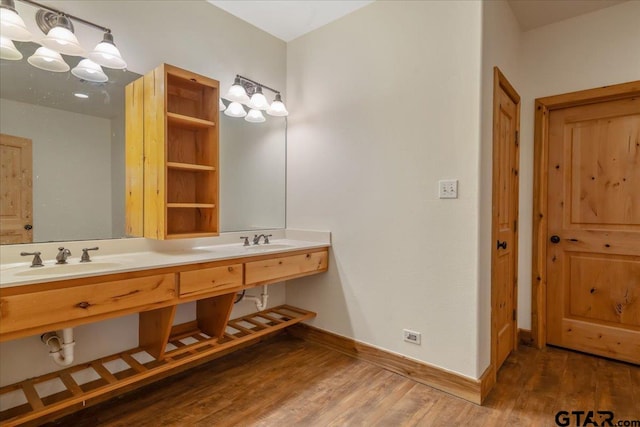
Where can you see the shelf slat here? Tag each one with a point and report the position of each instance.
(197, 350)
(180, 119)
(191, 205)
(190, 167)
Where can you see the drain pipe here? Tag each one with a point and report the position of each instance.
(61, 349)
(261, 301)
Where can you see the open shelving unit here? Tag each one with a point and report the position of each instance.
(187, 345)
(172, 155)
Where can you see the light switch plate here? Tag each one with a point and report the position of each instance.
(448, 188)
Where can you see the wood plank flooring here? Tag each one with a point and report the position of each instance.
(289, 382)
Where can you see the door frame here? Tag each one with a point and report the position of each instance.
(543, 106)
(501, 82)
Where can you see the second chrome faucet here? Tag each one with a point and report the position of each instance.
(62, 256)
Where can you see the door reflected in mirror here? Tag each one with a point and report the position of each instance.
(78, 172)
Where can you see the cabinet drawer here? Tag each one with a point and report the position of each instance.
(31, 310)
(272, 270)
(210, 279)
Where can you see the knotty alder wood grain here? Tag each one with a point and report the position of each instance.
(16, 192)
(289, 382)
(593, 267)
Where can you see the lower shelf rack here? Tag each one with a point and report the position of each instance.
(49, 394)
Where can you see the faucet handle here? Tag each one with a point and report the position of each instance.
(85, 254)
(266, 238)
(37, 261)
(246, 241)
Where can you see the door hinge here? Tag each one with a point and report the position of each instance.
(514, 315)
(517, 138)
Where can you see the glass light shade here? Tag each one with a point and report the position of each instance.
(255, 116)
(107, 54)
(221, 105)
(237, 93)
(258, 101)
(49, 60)
(12, 26)
(235, 109)
(62, 40)
(89, 71)
(277, 108)
(8, 50)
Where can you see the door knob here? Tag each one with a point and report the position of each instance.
(502, 245)
(28, 227)
(555, 239)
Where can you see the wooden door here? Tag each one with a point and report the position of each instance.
(504, 258)
(593, 246)
(15, 190)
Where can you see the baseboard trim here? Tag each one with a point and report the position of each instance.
(525, 337)
(441, 379)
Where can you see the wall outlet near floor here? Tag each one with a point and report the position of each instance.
(412, 336)
(448, 188)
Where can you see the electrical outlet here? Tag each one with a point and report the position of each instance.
(448, 188)
(412, 336)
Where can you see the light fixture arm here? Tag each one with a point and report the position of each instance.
(256, 83)
(59, 12)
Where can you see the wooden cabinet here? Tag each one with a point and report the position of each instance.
(154, 294)
(172, 155)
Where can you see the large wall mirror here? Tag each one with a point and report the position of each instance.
(76, 130)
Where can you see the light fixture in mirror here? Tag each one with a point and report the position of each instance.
(78, 154)
(107, 54)
(255, 116)
(48, 60)
(235, 109)
(89, 71)
(8, 50)
(277, 108)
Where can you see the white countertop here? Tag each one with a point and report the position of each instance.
(157, 256)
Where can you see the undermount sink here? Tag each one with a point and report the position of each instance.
(50, 270)
(268, 247)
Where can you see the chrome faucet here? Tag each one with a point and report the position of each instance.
(62, 256)
(256, 238)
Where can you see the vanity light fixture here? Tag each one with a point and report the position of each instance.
(235, 109)
(59, 39)
(60, 35)
(239, 94)
(11, 24)
(258, 100)
(8, 50)
(277, 107)
(221, 105)
(255, 116)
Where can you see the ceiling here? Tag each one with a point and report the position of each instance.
(289, 19)
(537, 13)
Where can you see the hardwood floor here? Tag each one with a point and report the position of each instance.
(289, 382)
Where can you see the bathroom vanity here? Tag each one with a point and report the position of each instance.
(152, 283)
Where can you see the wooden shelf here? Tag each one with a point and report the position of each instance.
(190, 167)
(191, 205)
(244, 330)
(193, 235)
(179, 119)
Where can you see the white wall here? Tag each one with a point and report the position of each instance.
(383, 103)
(592, 50)
(200, 38)
(72, 199)
(500, 47)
